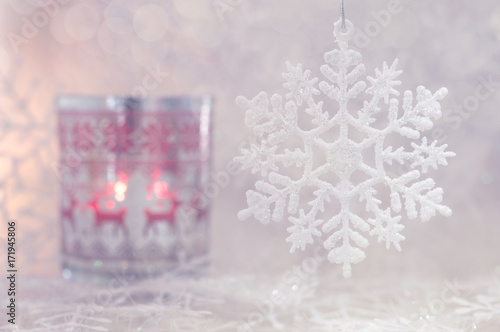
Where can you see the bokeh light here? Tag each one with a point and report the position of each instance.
(487, 178)
(150, 22)
(495, 22)
(110, 205)
(118, 18)
(160, 188)
(22, 7)
(193, 9)
(404, 31)
(4, 61)
(82, 22)
(120, 187)
(119, 197)
(465, 53)
(111, 42)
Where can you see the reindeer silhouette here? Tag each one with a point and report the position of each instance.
(202, 209)
(153, 218)
(67, 213)
(102, 217)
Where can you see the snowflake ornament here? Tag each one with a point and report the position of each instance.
(362, 165)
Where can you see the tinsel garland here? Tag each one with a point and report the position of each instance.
(179, 302)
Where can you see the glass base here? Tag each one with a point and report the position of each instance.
(125, 272)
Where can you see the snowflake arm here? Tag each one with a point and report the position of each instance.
(342, 250)
(301, 88)
(259, 203)
(264, 159)
(382, 85)
(258, 158)
(303, 230)
(420, 116)
(386, 227)
(430, 155)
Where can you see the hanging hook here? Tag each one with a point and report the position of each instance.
(342, 12)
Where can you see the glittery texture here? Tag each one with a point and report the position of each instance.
(228, 303)
(343, 228)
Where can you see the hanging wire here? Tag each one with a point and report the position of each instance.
(342, 12)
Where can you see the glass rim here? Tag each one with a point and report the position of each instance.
(122, 103)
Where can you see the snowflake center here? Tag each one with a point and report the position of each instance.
(344, 157)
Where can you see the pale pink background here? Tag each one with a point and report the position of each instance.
(239, 47)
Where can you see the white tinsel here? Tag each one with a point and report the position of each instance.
(177, 302)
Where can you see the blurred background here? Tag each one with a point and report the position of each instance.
(239, 47)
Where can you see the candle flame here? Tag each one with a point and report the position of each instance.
(119, 197)
(120, 190)
(120, 187)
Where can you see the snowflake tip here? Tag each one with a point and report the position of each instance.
(298, 82)
(382, 85)
(445, 211)
(441, 93)
(244, 214)
(346, 270)
(242, 101)
(396, 245)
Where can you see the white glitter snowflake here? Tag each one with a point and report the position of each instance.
(275, 124)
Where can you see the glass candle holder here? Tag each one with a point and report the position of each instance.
(133, 174)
